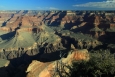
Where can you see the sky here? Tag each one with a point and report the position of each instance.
(57, 4)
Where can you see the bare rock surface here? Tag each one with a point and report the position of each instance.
(48, 69)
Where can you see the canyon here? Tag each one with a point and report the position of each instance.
(31, 41)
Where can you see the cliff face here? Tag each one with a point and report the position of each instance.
(26, 33)
(30, 31)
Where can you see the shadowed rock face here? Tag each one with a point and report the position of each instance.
(27, 35)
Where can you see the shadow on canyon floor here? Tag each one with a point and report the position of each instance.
(18, 66)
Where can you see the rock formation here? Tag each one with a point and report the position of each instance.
(49, 68)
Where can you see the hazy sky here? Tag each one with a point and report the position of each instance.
(57, 4)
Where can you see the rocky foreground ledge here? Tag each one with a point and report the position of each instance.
(44, 69)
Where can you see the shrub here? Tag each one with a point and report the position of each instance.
(100, 64)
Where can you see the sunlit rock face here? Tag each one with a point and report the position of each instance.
(40, 69)
(25, 32)
(33, 31)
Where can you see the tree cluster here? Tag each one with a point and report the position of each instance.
(100, 64)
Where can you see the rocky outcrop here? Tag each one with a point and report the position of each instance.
(80, 55)
(48, 69)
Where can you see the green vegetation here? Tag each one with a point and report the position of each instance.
(101, 64)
